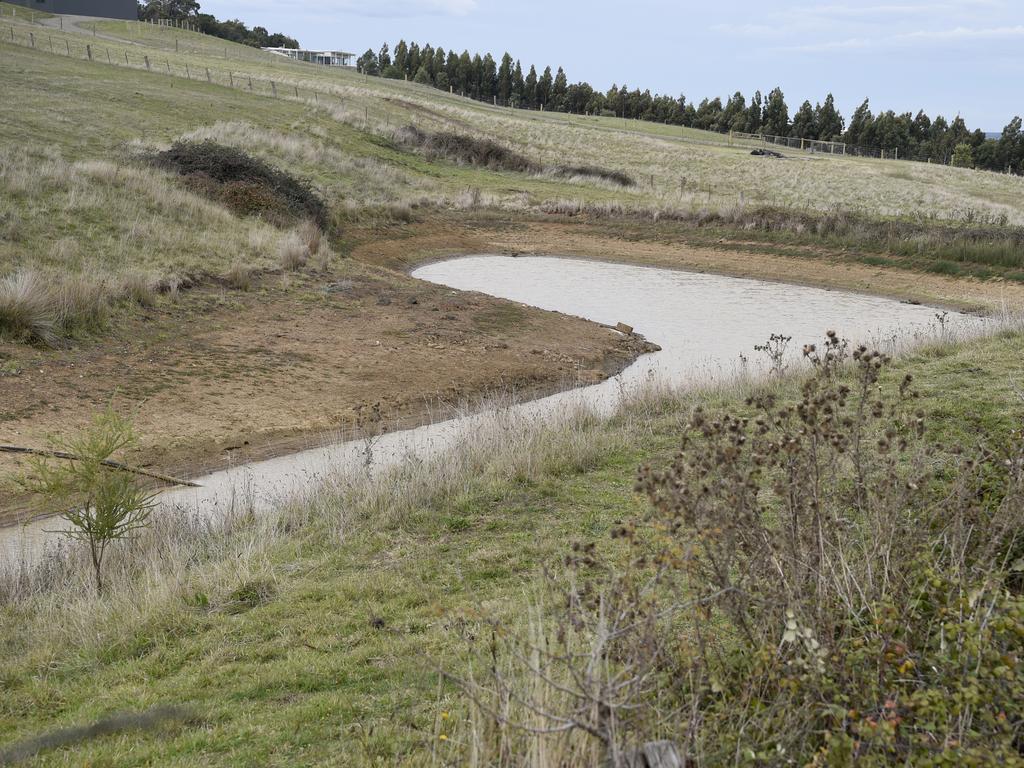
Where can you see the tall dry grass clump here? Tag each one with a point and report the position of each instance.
(293, 252)
(813, 583)
(27, 307)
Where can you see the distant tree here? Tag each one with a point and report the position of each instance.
(860, 125)
(530, 89)
(384, 57)
(803, 123)
(439, 67)
(776, 114)
(168, 9)
(488, 78)
(734, 116)
(544, 85)
(755, 114)
(963, 155)
(518, 86)
(423, 76)
(828, 121)
(505, 80)
(367, 64)
(559, 89)
(401, 59)
(709, 115)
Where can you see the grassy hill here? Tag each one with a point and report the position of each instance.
(317, 635)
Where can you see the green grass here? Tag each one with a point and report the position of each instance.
(339, 667)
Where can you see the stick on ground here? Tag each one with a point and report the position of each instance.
(106, 462)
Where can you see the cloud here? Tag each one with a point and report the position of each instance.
(387, 9)
(921, 37)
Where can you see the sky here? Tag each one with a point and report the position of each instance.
(958, 57)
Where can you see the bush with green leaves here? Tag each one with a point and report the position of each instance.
(79, 481)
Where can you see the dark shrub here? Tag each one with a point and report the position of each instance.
(616, 177)
(467, 150)
(246, 184)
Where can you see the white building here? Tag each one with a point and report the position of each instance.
(326, 58)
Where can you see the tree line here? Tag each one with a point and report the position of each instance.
(233, 29)
(504, 82)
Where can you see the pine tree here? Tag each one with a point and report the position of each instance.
(488, 79)
(439, 69)
(518, 86)
(401, 58)
(860, 127)
(530, 89)
(559, 90)
(384, 57)
(367, 63)
(505, 80)
(412, 62)
(803, 123)
(828, 121)
(755, 114)
(776, 114)
(544, 85)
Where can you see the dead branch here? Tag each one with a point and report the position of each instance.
(106, 462)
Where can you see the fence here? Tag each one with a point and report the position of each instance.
(57, 43)
(791, 142)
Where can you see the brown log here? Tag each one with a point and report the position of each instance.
(106, 462)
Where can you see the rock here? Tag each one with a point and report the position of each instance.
(623, 328)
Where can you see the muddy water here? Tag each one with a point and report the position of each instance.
(706, 325)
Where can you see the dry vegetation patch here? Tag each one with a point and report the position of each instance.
(245, 184)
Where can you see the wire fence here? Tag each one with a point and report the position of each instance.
(106, 52)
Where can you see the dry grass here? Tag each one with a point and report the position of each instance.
(27, 308)
(293, 252)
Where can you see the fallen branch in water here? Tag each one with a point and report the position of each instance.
(106, 462)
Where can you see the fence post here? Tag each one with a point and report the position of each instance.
(250, 83)
(207, 74)
(231, 79)
(31, 40)
(187, 73)
(316, 97)
(50, 38)
(108, 57)
(148, 67)
(126, 58)
(88, 51)
(168, 64)
(68, 46)
(175, 45)
(273, 88)
(296, 91)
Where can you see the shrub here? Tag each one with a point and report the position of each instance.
(592, 171)
(101, 503)
(813, 583)
(247, 184)
(466, 150)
